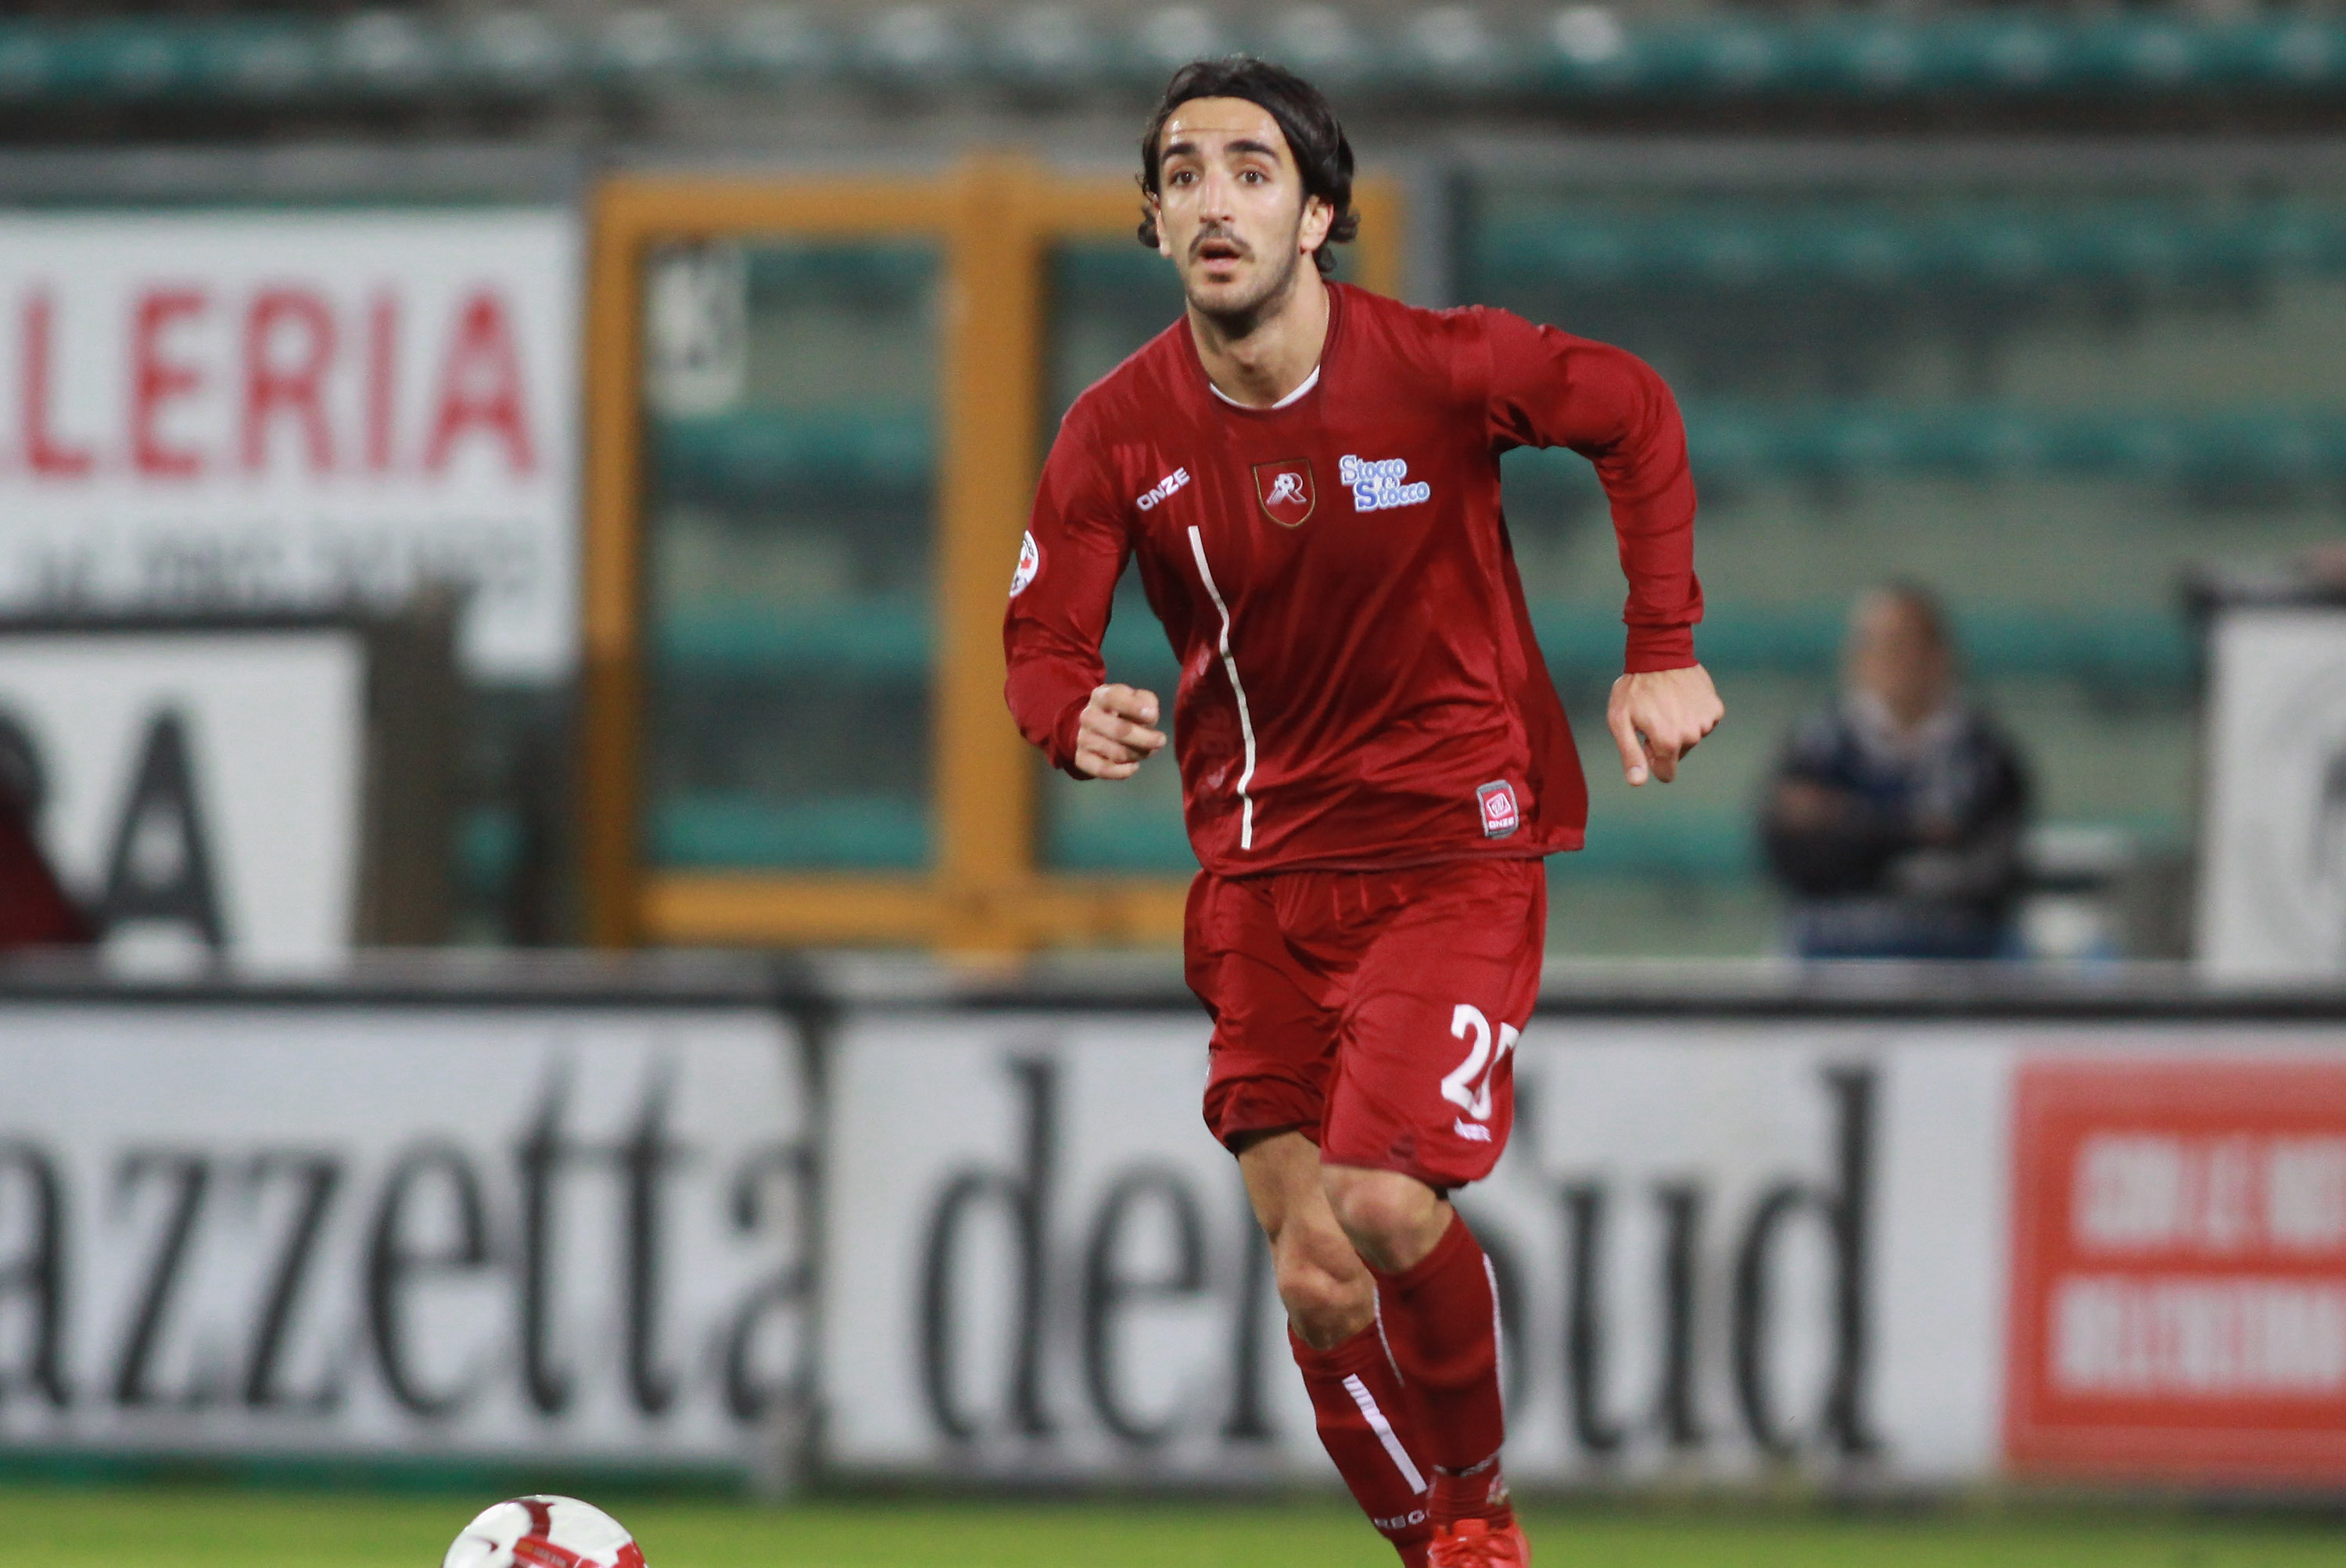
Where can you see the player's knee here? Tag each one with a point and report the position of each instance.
(1326, 1307)
(1386, 1215)
(1321, 1282)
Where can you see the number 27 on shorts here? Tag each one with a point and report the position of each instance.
(1468, 1085)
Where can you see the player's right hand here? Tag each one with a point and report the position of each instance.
(1116, 732)
(1658, 716)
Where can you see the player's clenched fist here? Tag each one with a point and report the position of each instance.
(1656, 718)
(1116, 732)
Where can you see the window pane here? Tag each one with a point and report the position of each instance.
(790, 390)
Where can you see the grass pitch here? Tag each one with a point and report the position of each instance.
(95, 1527)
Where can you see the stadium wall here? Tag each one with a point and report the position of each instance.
(718, 1222)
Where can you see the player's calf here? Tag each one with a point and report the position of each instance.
(1363, 1419)
(1361, 1409)
(1441, 1318)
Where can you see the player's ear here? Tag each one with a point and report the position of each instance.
(1319, 217)
(1156, 217)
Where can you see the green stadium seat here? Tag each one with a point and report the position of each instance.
(1432, 54)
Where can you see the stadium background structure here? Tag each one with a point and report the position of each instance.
(2037, 300)
(1964, 359)
(2044, 303)
(1525, 55)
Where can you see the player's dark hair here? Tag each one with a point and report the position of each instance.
(1304, 119)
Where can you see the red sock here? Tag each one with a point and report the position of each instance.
(1364, 1427)
(1441, 1320)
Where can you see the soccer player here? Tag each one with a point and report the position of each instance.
(1373, 760)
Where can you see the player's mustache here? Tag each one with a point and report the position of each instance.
(1214, 231)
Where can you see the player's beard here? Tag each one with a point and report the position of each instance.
(1236, 320)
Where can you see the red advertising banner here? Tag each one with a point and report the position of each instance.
(2179, 1270)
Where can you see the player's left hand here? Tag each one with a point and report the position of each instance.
(1656, 718)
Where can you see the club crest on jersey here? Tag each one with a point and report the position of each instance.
(1284, 488)
(1030, 561)
(1500, 817)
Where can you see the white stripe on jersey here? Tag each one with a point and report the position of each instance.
(1230, 665)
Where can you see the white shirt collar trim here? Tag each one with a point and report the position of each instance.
(1309, 383)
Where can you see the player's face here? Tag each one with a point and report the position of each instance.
(1231, 210)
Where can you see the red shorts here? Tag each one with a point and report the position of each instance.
(1375, 1010)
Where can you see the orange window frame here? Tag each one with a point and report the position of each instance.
(995, 219)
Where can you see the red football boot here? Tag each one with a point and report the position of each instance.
(1478, 1543)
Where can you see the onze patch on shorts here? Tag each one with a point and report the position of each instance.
(1500, 817)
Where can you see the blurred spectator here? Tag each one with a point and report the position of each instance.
(35, 910)
(2325, 565)
(1894, 818)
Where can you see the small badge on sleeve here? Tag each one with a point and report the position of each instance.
(1500, 817)
(1030, 561)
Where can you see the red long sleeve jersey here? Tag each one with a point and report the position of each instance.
(1360, 686)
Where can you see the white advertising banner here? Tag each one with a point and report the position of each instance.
(198, 789)
(1894, 1253)
(1719, 1248)
(511, 1231)
(2272, 859)
(238, 409)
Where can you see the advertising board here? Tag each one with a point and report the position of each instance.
(1718, 1248)
(1722, 1248)
(197, 788)
(514, 1232)
(938, 1242)
(230, 409)
(2272, 841)
(2178, 1304)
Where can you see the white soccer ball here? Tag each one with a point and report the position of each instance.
(545, 1533)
